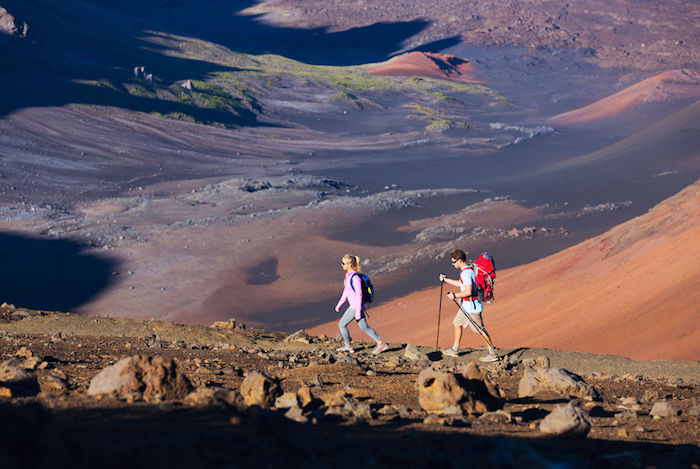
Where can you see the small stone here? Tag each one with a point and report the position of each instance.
(55, 380)
(663, 409)
(31, 363)
(411, 352)
(650, 395)
(299, 336)
(287, 400)
(502, 416)
(306, 398)
(622, 433)
(24, 352)
(295, 413)
(215, 396)
(694, 410)
(629, 401)
(317, 381)
(225, 325)
(388, 410)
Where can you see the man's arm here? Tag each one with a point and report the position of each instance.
(467, 292)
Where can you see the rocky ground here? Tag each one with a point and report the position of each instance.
(80, 391)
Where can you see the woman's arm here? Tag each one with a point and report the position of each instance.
(355, 296)
(342, 299)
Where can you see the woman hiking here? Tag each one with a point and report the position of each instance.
(352, 293)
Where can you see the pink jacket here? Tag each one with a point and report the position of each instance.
(354, 298)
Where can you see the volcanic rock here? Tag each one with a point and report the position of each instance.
(215, 396)
(19, 381)
(538, 380)
(446, 393)
(287, 400)
(259, 389)
(10, 26)
(150, 376)
(412, 353)
(566, 420)
(299, 336)
(663, 409)
(53, 381)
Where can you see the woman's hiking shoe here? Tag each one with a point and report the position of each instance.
(450, 352)
(380, 348)
(345, 348)
(491, 357)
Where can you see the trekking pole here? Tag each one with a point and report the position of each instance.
(484, 335)
(437, 338)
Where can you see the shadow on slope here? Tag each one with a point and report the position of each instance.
(101, 42)
(50, 274)
(219, 437)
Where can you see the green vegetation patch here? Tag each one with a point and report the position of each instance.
(438, 121)
(232, 94)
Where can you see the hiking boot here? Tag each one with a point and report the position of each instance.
(345, 348)
(380, 348)
(450, 352)
(491, 357)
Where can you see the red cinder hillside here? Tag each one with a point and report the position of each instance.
(428, 64)
(632, 291)
(664, 87)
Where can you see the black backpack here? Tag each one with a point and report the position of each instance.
(367, 288)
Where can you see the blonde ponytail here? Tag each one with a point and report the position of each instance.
(354, 262)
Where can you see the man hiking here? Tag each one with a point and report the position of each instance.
(470, 308)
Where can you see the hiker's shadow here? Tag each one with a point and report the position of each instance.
(516, 353)
(48, 274)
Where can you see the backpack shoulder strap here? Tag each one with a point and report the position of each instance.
(354, 273)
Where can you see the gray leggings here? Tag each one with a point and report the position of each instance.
(348, 316)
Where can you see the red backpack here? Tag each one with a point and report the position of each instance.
(485, 272)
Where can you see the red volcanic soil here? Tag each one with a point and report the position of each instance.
(632, 291)
(428, 64)
(667, 86)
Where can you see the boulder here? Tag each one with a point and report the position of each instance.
(287, 400)
(306, 398)
(299, 336)
(18, 380)
(215, 396)
(358, 410)
(446, 420)
(473, 372)
(566, 420)
(297, 414)
(224, 325)
(259, 389)
(12, 27)
(557, 380)
(447, 393)
(141, 374)
(412, 353)
(53, 381)
(663, 409)
(338, 398)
